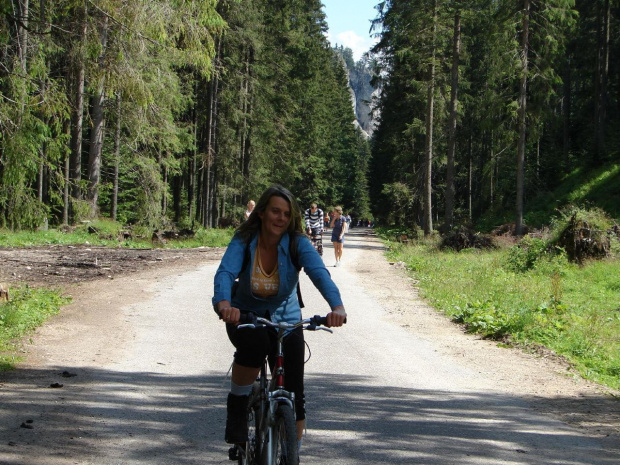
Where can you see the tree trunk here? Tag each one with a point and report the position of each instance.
(207, 184)
(566, 110)
(522, 114)
(428, 149)
(67, 176)
(22, 34)
(492, 163)
(164, 196)
(117, 155)
(191, 165)
(208, 160)
(77, 116)
(96, 134)
(470, 170)
(602, 73)
(450, 190)
(247, 128)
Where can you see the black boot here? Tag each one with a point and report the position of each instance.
(236, 419)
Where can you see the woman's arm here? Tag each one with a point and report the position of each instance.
(314, 267)
(227, 272)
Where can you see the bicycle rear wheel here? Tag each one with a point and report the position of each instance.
(284, 440)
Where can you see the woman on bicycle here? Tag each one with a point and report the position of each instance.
(266, 254)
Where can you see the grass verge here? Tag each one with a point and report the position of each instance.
(573, 310)
(27, 310)
(110, 234)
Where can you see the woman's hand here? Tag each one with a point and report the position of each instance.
(227, 313)
(336, 317)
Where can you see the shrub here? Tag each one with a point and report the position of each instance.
(483, 318)
(524, 256)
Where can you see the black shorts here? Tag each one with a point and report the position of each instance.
(254, 344)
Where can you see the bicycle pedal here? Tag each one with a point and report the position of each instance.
(233, 453)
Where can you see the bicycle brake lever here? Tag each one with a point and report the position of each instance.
(246, 325)
(323, 328)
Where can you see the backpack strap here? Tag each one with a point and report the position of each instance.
(292, 249)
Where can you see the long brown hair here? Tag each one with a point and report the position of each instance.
(253, 224)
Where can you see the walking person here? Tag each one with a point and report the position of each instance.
(266, 254)
(250, 208)
(338, 229)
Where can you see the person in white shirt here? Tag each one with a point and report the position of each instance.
(314, 219)
(250, 209)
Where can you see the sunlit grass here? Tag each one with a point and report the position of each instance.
(110, 234)
(573, 310)
(28, 309)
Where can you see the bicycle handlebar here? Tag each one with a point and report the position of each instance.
(250, 320)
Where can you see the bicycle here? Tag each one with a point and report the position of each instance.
(316, 237)
(272, 432)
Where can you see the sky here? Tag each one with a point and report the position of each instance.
(349, 23)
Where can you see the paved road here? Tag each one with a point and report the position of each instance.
(377, 393)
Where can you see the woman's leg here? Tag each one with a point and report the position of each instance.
(243, 376)
(252, 348)
(338, 251)
(335, 250)
(294, 356)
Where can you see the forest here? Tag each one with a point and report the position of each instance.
(487, 107)
(174, 113)
(171, 113)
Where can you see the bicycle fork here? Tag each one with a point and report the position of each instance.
(277, 395)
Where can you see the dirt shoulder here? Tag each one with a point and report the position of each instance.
(61, 265)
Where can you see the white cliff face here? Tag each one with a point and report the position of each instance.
(362, 93)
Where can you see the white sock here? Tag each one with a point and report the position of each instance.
(237, 390)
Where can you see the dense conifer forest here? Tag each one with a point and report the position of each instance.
(174, 113)
(171, 112)
(488, 107)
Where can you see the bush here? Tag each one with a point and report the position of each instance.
(524, 256)
(483, 318)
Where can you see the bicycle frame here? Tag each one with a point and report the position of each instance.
(266, 397)
(316, 238)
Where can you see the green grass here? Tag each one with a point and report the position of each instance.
(573, 310)
(28, 309)
(108, 233)
(599, 188)
(204, 238)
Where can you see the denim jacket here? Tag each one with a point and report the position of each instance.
(285, 305)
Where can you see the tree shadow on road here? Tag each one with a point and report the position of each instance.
(161, 418)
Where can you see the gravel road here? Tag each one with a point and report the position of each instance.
(141, 368)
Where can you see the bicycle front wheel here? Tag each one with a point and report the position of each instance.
(255, 417)
(284, 439)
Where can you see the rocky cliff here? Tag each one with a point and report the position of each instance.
(362, 91)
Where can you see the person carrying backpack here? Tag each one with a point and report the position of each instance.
(273, 247)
